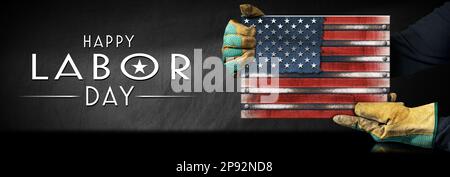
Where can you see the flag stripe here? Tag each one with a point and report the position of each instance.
(355, 43)
(326, 114)
(317, 82)
(357, 20)
(298, 106)
(356, 27)
(314, 90)
(356, 35)
(351, 66)
(354, 51)
(354, 59)
(324, 75)
(316, 98)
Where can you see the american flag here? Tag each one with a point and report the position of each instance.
(326, 64)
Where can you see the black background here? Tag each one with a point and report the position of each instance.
(54, 29)
(87, 138)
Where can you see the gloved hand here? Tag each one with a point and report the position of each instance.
(239, 40)
(394, 122)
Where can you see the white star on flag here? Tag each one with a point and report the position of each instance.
(260, 20)
(273, 20)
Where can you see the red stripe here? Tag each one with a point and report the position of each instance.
(316, 98)
(354, 51)
(357, 20)
(356, 35)
(314, 114)
(353, 67)
(318, 82)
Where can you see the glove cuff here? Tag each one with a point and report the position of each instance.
(436, 121)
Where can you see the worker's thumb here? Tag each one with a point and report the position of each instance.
(359, 123)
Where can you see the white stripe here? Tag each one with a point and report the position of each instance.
(353, 59)
(335, 27)
(323, 75)
(355, 43)
(314, 90)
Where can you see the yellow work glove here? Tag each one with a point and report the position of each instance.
(239, 40)
(394, 122)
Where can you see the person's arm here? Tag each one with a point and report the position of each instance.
(443, 134)
(425, 43)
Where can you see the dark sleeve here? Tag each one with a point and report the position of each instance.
(442, 140)
(424, 44)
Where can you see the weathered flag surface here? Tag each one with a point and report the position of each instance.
(326, 64)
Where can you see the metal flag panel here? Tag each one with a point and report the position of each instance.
(326, 64)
